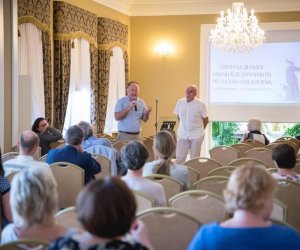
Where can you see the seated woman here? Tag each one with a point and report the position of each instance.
(4, 191)
(284, 157)
(163, 148)
(46, 134)
(33, 203)
(134, 156)
(249, 196)
(106, 209)
(254, 134)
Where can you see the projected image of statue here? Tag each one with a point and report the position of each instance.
(292, 88)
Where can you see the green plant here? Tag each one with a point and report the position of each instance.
(223, 133)
(293, 131)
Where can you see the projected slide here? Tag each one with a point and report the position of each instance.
(268, 75)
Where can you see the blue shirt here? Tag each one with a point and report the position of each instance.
(132, 121)
(214, 237)
(72, 155)
(93, 141)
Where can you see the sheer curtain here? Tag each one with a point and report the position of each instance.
(116, 88)
(30, 60)
(78, 108)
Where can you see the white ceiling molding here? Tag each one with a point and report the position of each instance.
(194, 7)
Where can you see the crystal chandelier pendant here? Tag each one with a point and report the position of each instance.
(237, 32)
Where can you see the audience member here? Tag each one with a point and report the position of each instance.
(249, 196)
(106, 209)
(284, 158)
(4, 191)
(254, 133)
(163, 147)
(46, 134)
(33, 202)
(134, 156)
(73, 153)
(28, 144)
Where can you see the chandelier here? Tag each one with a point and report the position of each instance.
(237, 32)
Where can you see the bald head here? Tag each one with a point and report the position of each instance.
(191, 92)
(28, 142)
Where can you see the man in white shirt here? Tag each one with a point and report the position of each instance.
(28, 144)
(193, 119)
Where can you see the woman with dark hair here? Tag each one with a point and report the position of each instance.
(46, 134)
(106, 210)
(4, 191)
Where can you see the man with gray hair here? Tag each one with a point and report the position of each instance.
(74, 153)
(29, 145)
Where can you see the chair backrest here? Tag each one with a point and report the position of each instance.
(119, 144)
(242, 148)
(255, 144)
(143, 201)
(31, 244)
(288, 193)
(214, 184)
(169, 228)
(272, 170)
(43, 158)
(246, 160)
(271, 145)
(11, 176)
(262, 154)
(279, 210)
(194, 175)
(297, 167)
(105, 164)
(223, 154)
(222, 171)
(70, 181)
(203, 205)
(61, 145)
(171, 185)
(148, 142)
(9, 156)
(289, 139)
(57, 144)
(203, 165)
(68, 218)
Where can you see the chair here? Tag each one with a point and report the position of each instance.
(11, 176)
(288, 193)
(222, 171)
(214, 184)
(169, 228)
(143, 201)
(297, 167)
(68, 218)
(271, 145)
(223, 154)
(255, 144)
(203, 165)
(70, 181)
(43, 158)
(119, 144)
(246, 160)
(291, 143)
(25, 245)
(262, 154)
(57, 144)
(194, 175)
(105, 165)
(171, 185)
(290, 139)
(279, 210)
(203, 205)
(272, 170)
(148, 142)
(9, 156)
(242, 148)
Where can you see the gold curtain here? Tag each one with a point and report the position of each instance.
(62, 66)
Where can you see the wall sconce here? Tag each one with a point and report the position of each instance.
(164, 49)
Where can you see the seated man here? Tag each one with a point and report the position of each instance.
(284, 157)
(73, 153)
(134, 156)
(28, 144)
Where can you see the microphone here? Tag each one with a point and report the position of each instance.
(135, 107)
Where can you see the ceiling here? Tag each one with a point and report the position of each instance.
(194, 7)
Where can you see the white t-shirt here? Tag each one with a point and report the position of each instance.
(191, 116)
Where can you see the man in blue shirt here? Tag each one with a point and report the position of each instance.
(129, 112)
(73, 153)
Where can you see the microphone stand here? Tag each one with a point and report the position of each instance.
(156, 119)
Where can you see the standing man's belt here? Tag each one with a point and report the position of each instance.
(130, 133)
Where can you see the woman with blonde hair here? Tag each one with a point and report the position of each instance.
(33, 203)
(164, 147)
(249, 196)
